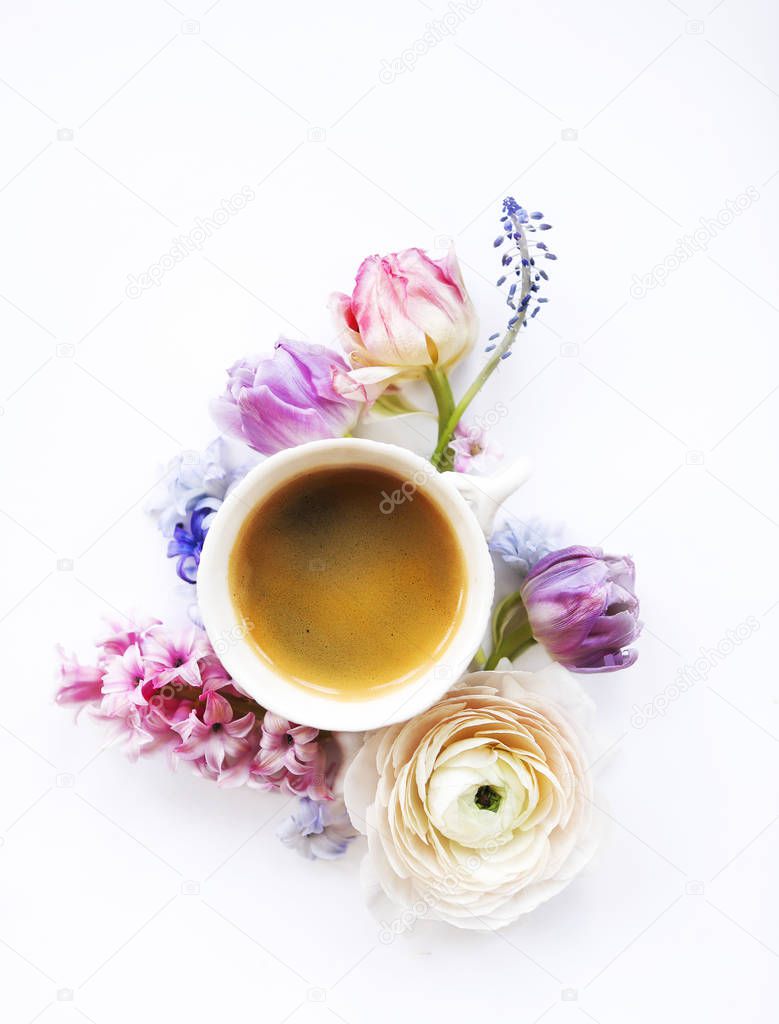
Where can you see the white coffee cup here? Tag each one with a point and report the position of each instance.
(469, 504)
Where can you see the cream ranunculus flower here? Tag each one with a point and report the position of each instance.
(480, 808)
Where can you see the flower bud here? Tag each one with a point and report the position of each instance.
(581, 606)
(286, 399)
(407, 312)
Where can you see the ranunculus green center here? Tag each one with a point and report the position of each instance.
(487, 798)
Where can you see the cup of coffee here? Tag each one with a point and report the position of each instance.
(347, 584)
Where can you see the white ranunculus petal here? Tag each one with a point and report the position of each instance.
(480, 808)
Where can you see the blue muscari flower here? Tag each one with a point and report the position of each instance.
(519, 227)
(517, 213)
(521, 545)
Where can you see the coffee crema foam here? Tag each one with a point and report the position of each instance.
(342, 591)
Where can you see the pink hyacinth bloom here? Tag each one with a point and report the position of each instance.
(121, 633)
(291, 758)
(130, 729)
(213, 674)
(139, 727)
(407, 312)
(123, 680)
(164, 710)
(156, 687)
(79, 683)
(174, 656)
(236, 771)
(216, 737)
(472, 452)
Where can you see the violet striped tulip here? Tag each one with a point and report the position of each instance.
(581, 607)
(407, 312)
(279, 401)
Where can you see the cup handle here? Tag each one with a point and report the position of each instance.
(485, 494)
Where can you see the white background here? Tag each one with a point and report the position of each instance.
(651, 421)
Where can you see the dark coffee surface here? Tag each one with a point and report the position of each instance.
(343, 587)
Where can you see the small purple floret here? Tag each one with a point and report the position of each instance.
(318, 830)
(187, 544)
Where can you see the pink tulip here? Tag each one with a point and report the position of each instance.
(407, 312)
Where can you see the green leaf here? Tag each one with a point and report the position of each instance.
(510, 606)
(394, 405)
(510, 630)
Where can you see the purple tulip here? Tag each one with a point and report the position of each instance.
(283, 400)
(581, 606)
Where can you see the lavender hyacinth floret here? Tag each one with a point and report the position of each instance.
(582, 607)
(196, 485)
(522, 544)
(318, 830)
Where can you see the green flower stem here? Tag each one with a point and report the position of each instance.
(479, 659)
(442, 393)
(444, 400)
(446, 432)
(492, 661)
(511, 649)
